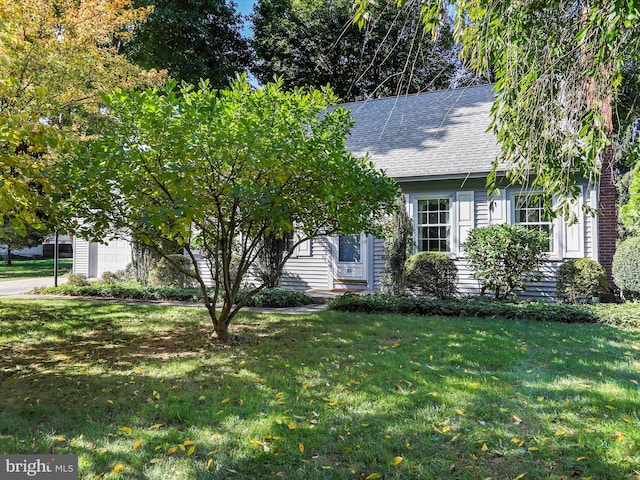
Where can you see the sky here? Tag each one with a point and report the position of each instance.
(245, 7)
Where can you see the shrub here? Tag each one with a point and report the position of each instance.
(431, 273)
(77, 279)
(397, 232)
(467, 307)
(504, 256)
(166, 274)
(278, 298)
(626, 268)
(580, 279)
(113, 277)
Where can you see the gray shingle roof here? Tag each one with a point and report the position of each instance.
(439, 134)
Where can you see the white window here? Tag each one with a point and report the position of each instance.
(529, 212)
(434, 224)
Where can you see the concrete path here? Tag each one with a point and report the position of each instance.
(20, 288)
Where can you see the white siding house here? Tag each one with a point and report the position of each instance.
(437, 147)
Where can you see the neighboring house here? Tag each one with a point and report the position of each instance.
(437, 147)
(44, 250)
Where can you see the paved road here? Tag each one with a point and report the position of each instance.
(20, 288)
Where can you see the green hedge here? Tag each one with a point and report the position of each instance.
(272, 297)
(127, 290)
(279, 298)
(612, 314)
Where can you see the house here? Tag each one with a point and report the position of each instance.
(436, 145)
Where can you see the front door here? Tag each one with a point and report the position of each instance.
(351, 261)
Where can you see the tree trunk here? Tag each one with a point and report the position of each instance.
(7, 261)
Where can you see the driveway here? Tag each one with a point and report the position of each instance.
(19, 288)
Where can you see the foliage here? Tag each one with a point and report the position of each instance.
(626, 267)
(397, 232)
(272, 252)
(124, 290)
(215, 171)
(77, 280)
(630, 211)
(504, 256)
(558, 67)
(465, 307)
(114, 277)
(314, 43)
(278, 298)
(193, 40)
(173, 270)
(54, 59)
(431, 273)
(580, 279)
(16, 237)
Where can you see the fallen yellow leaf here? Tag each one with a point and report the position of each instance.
(171, 451)
(374, 476)
(60, 439)
(190, 451)
(155, 426)
(118, 467)
(225, 400)
(397, 460)
(301, 447)
(519, 476)
(484, 447)
(187, 443)
(136, 445)
(209, 463)
(533, 449)
(292, 426)
(579, 459)
(561, 432)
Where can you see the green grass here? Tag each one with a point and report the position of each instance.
(33, 268)
(139, 393)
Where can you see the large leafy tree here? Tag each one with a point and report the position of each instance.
(192, 39)
(14, 238)
(314, 43)
(558, 67)
(54, 59)
(218, 171)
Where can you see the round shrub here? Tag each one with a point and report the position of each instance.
(503, 257)
(431, 273)
(166, 274)
(77, 280)
(626, 268)
(113, 277)
(580, 279)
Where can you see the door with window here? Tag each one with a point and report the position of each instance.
(351, 256)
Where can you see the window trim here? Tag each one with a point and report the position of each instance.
(555, 253)
(452, 221)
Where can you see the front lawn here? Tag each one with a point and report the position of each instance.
(138, 393)
(33, 268)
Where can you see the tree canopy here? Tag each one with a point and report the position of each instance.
(558, 67)
(193, 40)
(315, 43)
(54, 59)
(218, 170)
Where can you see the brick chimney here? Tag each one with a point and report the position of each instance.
(608, 222)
